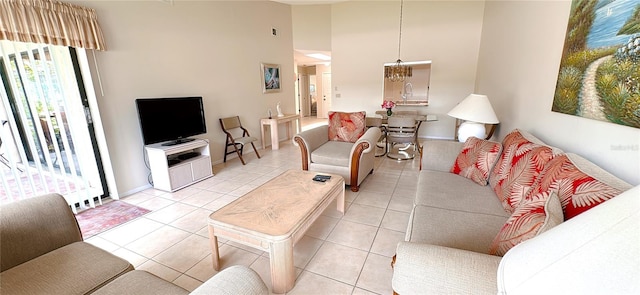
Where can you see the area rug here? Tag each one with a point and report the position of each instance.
(107, 216)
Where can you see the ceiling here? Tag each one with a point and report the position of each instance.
(301, 58)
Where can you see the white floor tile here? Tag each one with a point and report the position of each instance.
(339, 254)
(339, 262)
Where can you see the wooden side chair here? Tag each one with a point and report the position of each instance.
(231, 126)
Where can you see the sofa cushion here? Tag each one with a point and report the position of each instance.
(453, 228)
(450, 191)
(78, 268)
(334, 153)
(346, 126)
(476, 159)
(35, 226)
(429, 269)
(521, 162)
(532, 217)
(140, 282)
(581, 185)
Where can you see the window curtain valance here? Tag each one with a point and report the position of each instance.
(50, 22)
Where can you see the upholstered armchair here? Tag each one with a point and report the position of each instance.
(352, 160)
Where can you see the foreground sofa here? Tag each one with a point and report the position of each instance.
(42, 252)
(324, 150)
(459, 227)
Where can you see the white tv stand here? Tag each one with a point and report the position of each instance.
(176, 166)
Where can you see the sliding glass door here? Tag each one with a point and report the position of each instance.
(47, 141)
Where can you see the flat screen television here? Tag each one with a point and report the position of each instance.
(170, 120)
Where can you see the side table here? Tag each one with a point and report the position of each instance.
(273, 122)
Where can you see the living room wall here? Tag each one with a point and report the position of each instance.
(365, 36)
(211, 49)
(520, 53)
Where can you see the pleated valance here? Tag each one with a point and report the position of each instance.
(50, 22)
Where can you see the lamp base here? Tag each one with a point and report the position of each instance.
(469, 128)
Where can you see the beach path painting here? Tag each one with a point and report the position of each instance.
(599, 75)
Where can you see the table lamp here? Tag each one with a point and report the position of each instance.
(476, 111)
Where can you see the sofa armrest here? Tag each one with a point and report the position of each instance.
(33, 227)
(440, 155)
(596, 252)
(237, 279)
(429, 269)
(310, 140)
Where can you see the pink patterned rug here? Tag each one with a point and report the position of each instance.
(101, 218)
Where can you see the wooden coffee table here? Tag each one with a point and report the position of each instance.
(273, 217)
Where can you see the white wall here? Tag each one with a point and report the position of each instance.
(520, 53)
(311, 27)
(211, 49)
(365, 36)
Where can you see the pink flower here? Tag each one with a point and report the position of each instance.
(388, 104)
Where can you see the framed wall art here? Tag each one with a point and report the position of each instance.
(270, 78)
(599, 75)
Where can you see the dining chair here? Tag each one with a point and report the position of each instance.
(402, 129)
(376, 122)
(237, 136)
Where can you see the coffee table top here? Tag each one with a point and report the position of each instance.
(277, 207)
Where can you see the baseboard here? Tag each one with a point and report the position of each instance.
(131, 192)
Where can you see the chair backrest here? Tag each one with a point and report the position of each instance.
(406, 124)
(402, 129)
(230, 123)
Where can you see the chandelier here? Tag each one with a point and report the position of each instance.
(399, 71)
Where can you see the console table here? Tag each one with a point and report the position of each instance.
(273, 123)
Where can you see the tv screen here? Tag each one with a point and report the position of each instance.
(171, 119)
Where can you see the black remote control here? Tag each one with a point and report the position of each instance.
(321, 178)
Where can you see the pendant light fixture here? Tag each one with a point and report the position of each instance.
(399, 71)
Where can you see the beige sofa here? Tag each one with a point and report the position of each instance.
(353, 161)
(454, 222)
(42, 252)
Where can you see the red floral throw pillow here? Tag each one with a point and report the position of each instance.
(534, 216)
(578, 189)
(476, 159)
(346, 126)
(517, 169)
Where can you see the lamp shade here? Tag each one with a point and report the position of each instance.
(476, 108)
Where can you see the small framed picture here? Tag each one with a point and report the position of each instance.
(270, 78)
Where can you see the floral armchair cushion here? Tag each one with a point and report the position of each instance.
(346, 127)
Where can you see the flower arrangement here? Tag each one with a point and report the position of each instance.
(388, 104)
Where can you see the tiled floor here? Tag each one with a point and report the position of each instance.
(348, 254)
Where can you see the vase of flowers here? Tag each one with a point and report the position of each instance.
(388, 104)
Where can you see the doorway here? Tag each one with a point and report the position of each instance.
(314, 91)
(47, 142)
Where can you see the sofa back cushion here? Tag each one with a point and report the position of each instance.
(476, 159)
(581, 185)
(346, 127)
(522, 160)
(534, 215)
(35, 226)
